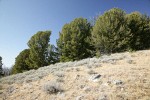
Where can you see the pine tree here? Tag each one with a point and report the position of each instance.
(110, 33)
(1, 69)
(140, 31)
(74, 40)
(38, 45)
(20, 62)
(53, 54)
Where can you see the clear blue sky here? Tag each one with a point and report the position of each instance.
(20, 19)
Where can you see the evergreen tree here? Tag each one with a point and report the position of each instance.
(140, 31)
(74, 40)
(20, 62)
(38, 45)
(1, 69)
(110, 33)
(53, 54)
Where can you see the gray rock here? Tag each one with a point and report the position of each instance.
(117, 82)
(95, 77)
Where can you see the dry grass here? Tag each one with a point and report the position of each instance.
(131, 69)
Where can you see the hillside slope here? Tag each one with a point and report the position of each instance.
(120, 76)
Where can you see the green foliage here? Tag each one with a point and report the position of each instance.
(74, 40)
(20, 62)
(38, 45)
(1, 70)
(140, 31)
(114, 31)
(110, 33)
(53, 54)
(38, 55)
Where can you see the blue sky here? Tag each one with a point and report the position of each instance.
(20, 19)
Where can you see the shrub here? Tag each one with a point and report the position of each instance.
(60, 80)
(91, 72)
(77, 69)
(0, 87)
(52, 88)
(59, 74)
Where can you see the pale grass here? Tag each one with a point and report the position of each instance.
(135, 77)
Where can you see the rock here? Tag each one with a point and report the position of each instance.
(62, 95)
(117, 82)
(95, 77)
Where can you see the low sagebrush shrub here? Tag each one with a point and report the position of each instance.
(92, 72)
(59, 74)
(52, 88)
(60, 80)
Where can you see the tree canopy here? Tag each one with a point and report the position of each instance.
(20, 62)
(139, 31)
(1, 69)
(38, 45)
(110, 33)
(53, 54)
(73, 42)
(113, 31)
